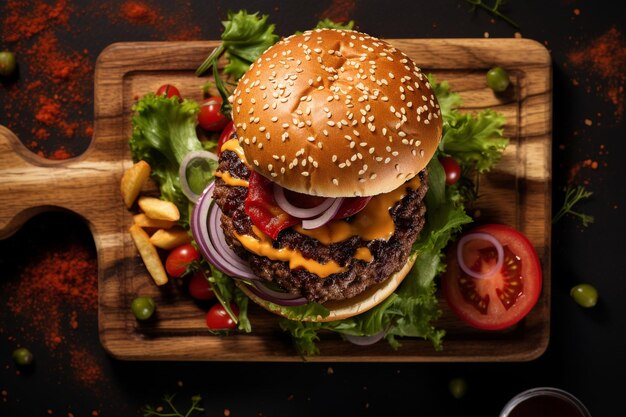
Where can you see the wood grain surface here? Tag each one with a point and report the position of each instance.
(517, 193)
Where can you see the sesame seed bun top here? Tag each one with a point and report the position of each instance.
(336, 113)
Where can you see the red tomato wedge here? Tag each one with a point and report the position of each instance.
(504, 298)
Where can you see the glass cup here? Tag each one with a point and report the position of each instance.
(544, 402)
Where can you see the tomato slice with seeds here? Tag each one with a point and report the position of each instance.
(504, 298)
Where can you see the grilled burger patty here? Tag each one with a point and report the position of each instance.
(388, 256)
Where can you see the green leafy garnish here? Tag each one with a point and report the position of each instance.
(494, 10)
(329, 24)
(572, 197)
(245, 37)
(150, 411)
(164, 132)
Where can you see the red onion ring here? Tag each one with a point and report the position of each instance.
(325, 217)
(299, 212)
(182, 172)
(479, 236)
(206, 229)
(280, 298)
(365, 340)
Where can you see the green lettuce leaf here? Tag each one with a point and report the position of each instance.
(164, 132)
(245, 37)
(329, 24)
(476, 140)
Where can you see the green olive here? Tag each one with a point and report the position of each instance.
(143, 307)
(22, 356)
(7, 64)
(498, 79)
(458, 387)
(585, 295)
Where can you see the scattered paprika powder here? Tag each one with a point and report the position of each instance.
(605, 57)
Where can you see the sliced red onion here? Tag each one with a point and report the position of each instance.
(325, 217)
(365, 340)
(280, 298)
(299, 212)
(182, 172)
(206, 230)
(480, 236)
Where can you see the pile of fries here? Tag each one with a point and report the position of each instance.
(156, 226)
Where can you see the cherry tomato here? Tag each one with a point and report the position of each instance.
(200, 288)
(226, 135)
(169, 91)
(217, 317)
(503, 299)
(211, 117)
(452, 169)
(180, 259)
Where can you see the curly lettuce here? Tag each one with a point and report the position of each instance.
(164, 132)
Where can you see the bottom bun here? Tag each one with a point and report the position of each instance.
(344, 309)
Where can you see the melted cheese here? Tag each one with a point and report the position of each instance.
(233, 145)
(230, 180)
(263, 246)
(371, 223)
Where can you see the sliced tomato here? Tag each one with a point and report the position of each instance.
(351, 206)
(504, 298)
(262, 209)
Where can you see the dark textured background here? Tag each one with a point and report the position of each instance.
(585, 355)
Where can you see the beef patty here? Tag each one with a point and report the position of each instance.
(388, 256)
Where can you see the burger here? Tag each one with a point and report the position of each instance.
(320, 190)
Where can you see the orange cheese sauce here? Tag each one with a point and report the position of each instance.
(371, 223)
(233, 145)
(230, 180)
(262, 246)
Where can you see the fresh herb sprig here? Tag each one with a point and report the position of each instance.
(494, 10)
(573, 195)
(245, 37)
(149, 411)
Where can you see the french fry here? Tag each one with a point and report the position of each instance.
(149, 255)
(144, 221)
(132, 181)
(171, 238)
(159, 209)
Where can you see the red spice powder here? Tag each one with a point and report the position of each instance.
(55, 83)
(170, 21)
(27, 19)
(339, 10)
(64, 277)
(138, 13)
(605, 57)
(85, 366)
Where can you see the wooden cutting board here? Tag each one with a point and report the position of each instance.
(517, 193)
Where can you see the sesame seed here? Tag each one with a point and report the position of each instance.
(335, 181)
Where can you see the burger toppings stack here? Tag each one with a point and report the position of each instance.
(321, 188)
